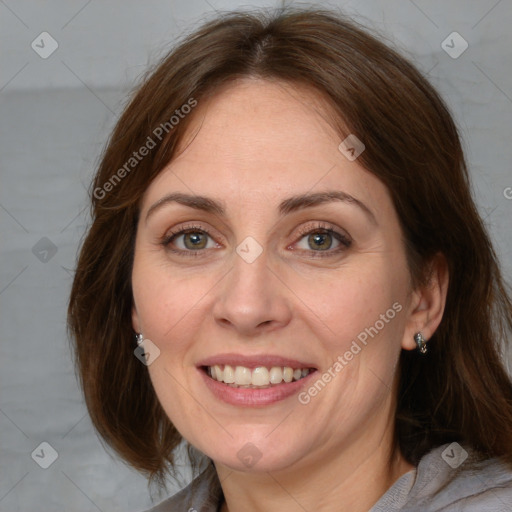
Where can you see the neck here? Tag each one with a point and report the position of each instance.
(351, 480)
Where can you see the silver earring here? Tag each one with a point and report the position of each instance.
(139, 338)
(421, 342)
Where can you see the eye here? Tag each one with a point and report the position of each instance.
(322, 238)
(189, 240)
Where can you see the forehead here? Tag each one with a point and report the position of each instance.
(256, 138)
(252, 119)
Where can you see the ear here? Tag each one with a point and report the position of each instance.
(427, 303)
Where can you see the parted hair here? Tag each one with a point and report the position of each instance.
(460, 390)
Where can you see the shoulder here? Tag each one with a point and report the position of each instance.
(452, 478)
(203, 494)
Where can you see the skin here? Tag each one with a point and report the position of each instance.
(251, 146)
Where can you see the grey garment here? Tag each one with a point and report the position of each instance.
(442, 482)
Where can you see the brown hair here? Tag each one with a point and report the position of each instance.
(460, 390)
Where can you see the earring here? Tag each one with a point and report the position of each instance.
(139, 338)
(421, 342)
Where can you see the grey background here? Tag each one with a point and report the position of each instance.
(55, 116)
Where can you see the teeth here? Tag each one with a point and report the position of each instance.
(229, 375)
(276, 375)
(219, 374)
(240, 376)
(260, 377)
(287, 374)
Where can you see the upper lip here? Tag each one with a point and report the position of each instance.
(266, 360)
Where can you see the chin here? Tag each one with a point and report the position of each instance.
(258, 455)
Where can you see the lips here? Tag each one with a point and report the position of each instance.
(254, 361)
(254, 380)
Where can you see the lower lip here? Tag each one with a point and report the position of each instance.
(253, 397)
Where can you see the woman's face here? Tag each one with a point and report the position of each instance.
(263, 250)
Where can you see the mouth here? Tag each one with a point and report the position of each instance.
(260, 377)
(256, 380)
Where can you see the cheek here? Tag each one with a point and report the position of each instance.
(358, 314)
(170, 309)
(352, 299)
(169, 302)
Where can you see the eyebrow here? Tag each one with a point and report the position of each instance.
(287, 206)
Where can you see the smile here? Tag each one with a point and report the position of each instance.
(260, 377)
(256, 380)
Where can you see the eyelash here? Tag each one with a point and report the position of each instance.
(319, 227)
(325, 229)
(168, 238)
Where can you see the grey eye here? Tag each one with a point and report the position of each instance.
(318, 241)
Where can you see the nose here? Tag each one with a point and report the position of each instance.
(252, 299)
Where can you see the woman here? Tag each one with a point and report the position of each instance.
(286, 270)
